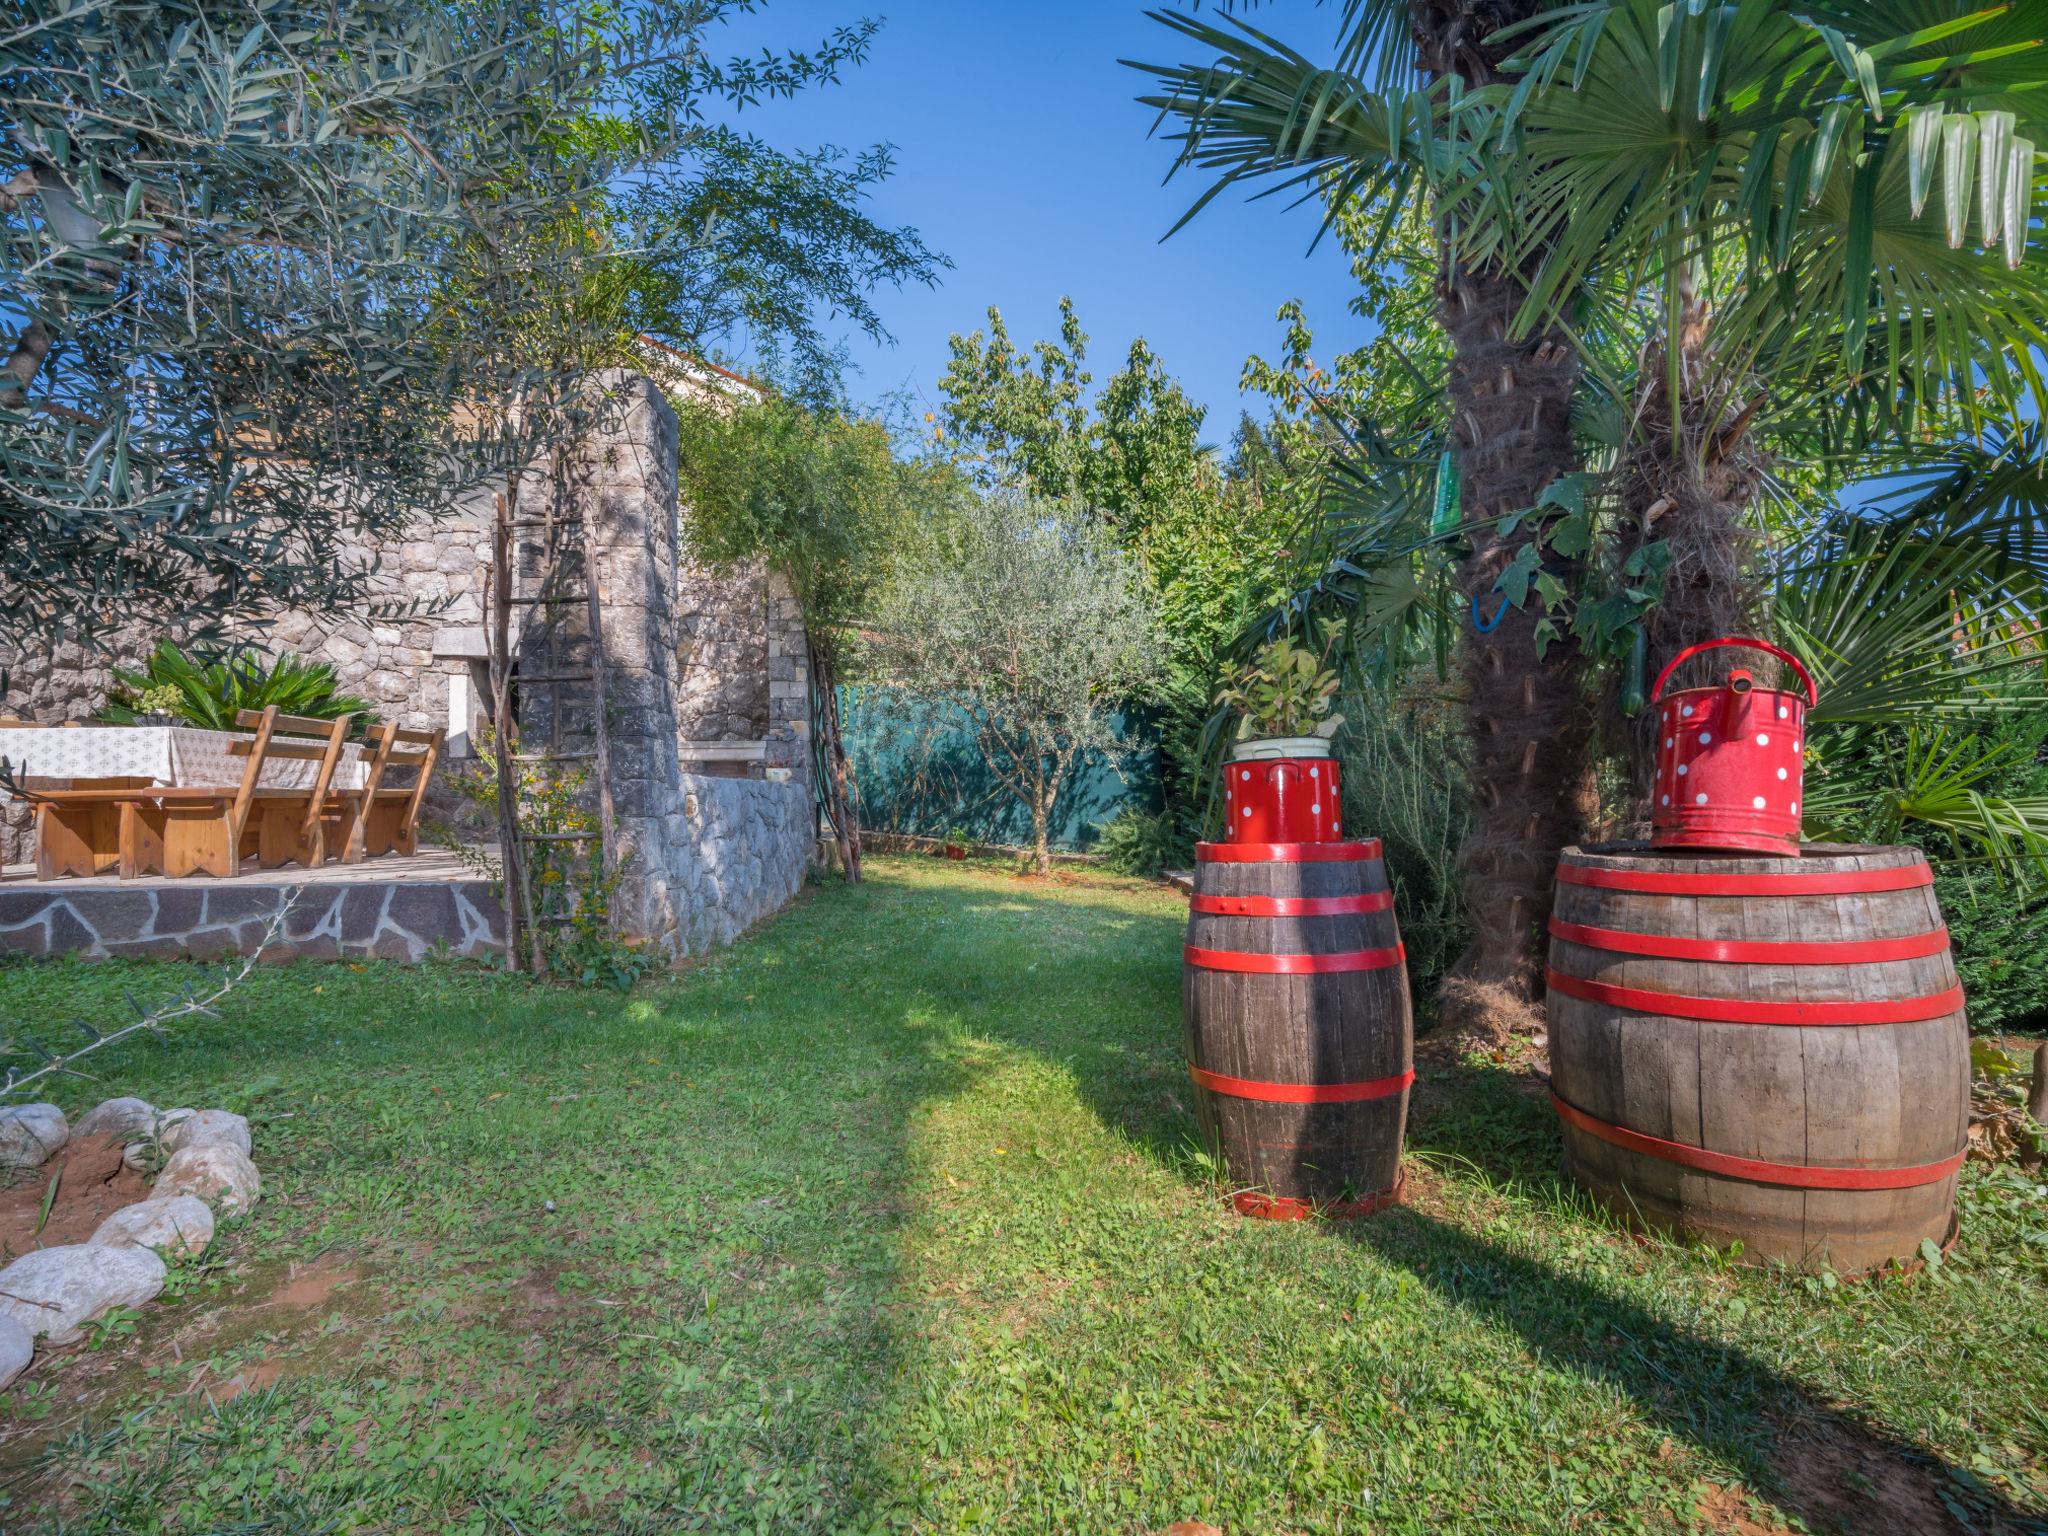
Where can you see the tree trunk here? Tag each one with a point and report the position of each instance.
(1527, 719)
(1041, 826)
(1693, 493)
(838, 790)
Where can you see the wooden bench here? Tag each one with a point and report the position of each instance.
(384, 818)
(286, 826)
(155, 829)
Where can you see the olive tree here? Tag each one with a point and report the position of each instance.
(817, 497)
(1026, 617)
(280, 276)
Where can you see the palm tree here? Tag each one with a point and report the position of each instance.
(1753, 184)
(1719, 210)
(1259, 108)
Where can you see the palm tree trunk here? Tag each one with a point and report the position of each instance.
(1528, 723)
(1692, 494)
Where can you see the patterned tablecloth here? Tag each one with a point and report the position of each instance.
(55, 757)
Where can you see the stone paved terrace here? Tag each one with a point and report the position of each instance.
(393, 908)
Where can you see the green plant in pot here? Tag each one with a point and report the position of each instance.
(1284, 695)
(957, 842)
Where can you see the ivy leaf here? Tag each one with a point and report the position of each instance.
(1514, 581)
(1572, 536)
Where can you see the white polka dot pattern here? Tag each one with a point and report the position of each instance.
(1739, 770)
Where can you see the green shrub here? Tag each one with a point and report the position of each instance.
(211, 691)
(1403, 784)
(2001, 949)
(1997, 914)
(1135, 842)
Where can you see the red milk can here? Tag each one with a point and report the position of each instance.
(1282, 800)
(1729, 759)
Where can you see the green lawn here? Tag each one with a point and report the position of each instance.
(888, 1220)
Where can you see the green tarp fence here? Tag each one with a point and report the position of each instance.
(918, 772)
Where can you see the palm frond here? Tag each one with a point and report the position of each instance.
(1899, 623)
(1260, 111)
(1873, 786)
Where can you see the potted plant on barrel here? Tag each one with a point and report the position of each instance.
(1283, 696)
(956, 842)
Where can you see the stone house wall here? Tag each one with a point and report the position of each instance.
(695, 658)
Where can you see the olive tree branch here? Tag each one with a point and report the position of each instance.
(189, 1001)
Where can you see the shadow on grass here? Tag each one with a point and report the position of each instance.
(1832, 1470)
(698, 1329)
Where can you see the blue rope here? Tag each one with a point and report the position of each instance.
(1488, 626)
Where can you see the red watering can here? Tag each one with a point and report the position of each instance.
(1729, 759)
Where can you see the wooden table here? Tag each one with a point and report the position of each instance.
(115, 757)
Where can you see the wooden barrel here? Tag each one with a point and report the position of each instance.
(1299, 1035)
(1760, 1050)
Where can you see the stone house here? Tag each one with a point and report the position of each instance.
(710, 674)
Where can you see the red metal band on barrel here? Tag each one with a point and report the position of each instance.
(1669, 883)
(1745, 1010)
(1293, 906)
(1299, 1093)
(1751, 951)
(1245, 962)
(1286, 853)
(1790, 1175)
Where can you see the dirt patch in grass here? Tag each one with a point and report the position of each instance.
(1836, 1476)
(253, 1377)
(312, 1284)
(1731, 1512)
(92, 1184)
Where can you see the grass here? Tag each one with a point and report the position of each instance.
(889, 1220)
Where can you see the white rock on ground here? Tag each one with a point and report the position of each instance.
(17, 1348)
(54, 1291)
(123, 1118)
(178, 1227)
(207, 1128)
(140, 1156)
(221, 1176)
(29, 1133)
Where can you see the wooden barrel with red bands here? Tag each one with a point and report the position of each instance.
(1761, 1051)
(1299, 1033)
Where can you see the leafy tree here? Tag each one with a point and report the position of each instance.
(260, 262)
(1209, 547)
(1027, 618)
(818, 498)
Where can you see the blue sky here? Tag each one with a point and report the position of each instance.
(1023, 157)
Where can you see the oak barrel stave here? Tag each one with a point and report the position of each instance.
(1336, 1027)
(1879, 1095)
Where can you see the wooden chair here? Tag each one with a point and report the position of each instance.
(145, 829)
(381, 818)
(287, 826)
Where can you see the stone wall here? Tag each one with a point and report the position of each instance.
(736, 854)
(702, 858)
(211, 920)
